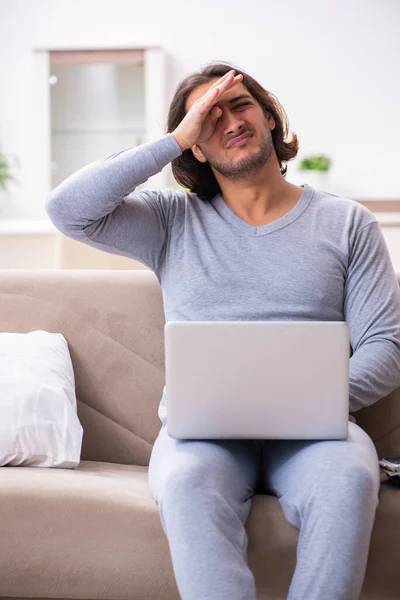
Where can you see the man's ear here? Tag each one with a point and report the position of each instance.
(197, 153)
(271, 121)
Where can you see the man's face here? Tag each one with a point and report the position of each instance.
(241, 143)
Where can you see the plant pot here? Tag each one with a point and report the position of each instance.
(4, 199)
(317, 179)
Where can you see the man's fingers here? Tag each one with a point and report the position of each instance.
(206, 102)
(228, 83)
(215, 114)
(210, 97)
(225, 81)
(221, 79)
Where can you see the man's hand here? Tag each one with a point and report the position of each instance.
(199, 123)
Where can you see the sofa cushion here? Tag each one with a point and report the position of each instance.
(89, 533)
(96, 533)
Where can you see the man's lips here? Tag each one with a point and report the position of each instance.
(237, 140)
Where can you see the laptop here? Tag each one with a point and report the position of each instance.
(257, 379)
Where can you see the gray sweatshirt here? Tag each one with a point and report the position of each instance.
(325, 260)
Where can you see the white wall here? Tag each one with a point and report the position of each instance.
(332, 64)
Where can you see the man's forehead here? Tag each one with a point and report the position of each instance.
(229, 95)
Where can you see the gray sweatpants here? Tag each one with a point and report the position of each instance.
(327, 489)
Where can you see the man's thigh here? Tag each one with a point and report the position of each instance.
(296, 470)
(230, 466)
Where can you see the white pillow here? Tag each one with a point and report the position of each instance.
(39, 425)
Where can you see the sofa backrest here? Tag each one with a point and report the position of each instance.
(114, 324)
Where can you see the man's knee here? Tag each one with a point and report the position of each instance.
(361, 481)
(348, 485)
(188, 483)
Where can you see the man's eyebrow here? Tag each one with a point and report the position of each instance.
(241, 97)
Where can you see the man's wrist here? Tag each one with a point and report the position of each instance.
(179, 141)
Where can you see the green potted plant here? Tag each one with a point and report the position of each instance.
(316, 168)
(5, 172)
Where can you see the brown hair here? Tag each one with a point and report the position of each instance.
(198, 177)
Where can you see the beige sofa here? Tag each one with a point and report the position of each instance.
(95, 532)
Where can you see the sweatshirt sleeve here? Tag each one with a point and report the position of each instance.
(372, 311)
(97, 205)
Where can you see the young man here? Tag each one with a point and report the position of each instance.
(245, 244)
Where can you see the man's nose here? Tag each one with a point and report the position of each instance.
(232, 124)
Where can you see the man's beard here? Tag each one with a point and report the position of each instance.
(246, 167)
